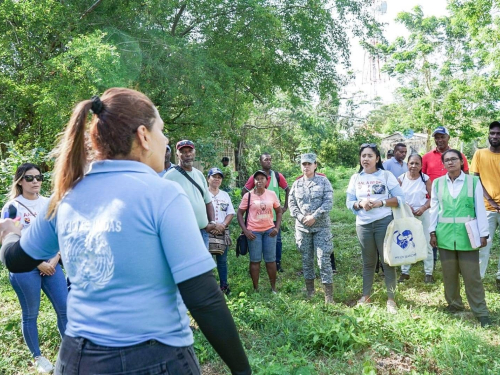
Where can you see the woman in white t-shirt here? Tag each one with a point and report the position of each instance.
(370, 194)
(224, 213)
(25, 202)
(417, 189)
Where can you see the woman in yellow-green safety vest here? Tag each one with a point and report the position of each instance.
(456, 199)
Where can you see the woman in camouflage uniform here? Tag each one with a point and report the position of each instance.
(310, 202)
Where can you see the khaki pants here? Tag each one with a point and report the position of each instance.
(466, 263)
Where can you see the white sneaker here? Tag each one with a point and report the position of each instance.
(392, 308)
(43, 365)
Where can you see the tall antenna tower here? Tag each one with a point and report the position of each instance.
(371, 64)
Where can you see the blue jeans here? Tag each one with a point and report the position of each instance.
(204, 235)
(262, 245)
(28, 288)
(222, 267)
(81, 356)
(279, 246)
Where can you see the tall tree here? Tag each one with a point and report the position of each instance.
(204, 63)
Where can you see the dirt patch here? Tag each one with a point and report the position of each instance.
(212, 369)
(394, 364)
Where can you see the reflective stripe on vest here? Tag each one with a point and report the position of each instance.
(470, 193)
(454, 213)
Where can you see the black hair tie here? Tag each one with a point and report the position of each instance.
(97, 105)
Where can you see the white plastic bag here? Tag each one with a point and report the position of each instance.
(404, 241)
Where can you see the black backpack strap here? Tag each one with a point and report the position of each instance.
(277, 175)
(183, 172)
(248, 209)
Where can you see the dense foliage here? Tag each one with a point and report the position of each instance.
(205, 64)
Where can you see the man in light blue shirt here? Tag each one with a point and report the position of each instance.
(397, 165)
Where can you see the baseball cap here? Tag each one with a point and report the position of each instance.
(184, 143)
(260, 171)
(213, 171)
(308, 158)
(440, 130)
(390, 152)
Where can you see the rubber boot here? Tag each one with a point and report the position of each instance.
(310, 288)
(328, 293)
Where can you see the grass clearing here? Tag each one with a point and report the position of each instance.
(285, 334)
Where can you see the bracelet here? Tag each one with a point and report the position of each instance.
(433, 233)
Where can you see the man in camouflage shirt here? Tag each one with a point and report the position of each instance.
(310, 203)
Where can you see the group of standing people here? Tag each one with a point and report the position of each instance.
(97, 232)
(444, 198)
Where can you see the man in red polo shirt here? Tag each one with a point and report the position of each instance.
(433, 166)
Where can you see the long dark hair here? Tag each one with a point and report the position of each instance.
(16, 189)
(374, 148)
(421, 162)
(459, 154)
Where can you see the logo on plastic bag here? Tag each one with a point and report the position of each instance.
(404, 240)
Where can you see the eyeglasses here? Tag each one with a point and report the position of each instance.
(365, 145)
(30, 177)
(450, 160)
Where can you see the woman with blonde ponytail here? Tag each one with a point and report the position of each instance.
(131, 246)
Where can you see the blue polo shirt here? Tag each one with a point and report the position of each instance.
(394, 167)
(127, 238)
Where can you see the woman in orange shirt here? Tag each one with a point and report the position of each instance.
(260, 229)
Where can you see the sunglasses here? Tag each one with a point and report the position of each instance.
(30, 177)
(365, 145)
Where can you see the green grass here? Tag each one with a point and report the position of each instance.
(285, 334)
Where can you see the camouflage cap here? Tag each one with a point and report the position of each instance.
(308, 158)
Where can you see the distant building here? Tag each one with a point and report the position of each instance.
(416, 144)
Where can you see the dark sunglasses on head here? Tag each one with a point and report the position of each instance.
(371, 145)
(30, 177)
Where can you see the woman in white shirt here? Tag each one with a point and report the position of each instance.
(370, 194)
(24, 204)
(417, 189)
(224, 213)
(456, 199)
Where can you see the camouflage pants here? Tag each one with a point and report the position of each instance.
(320, 242)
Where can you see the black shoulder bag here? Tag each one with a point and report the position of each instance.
(183, 172)
(242, 242)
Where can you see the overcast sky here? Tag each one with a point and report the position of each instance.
(359, 62)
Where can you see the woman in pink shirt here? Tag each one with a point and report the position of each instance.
(260, 229)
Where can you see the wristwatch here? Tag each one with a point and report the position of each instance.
(212, 222)
(384, 202)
